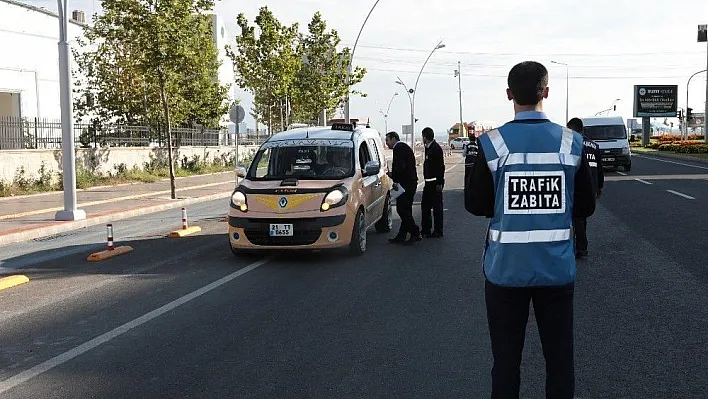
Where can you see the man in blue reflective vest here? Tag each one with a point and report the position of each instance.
(530, 177)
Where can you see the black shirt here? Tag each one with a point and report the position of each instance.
(592, 154)
(480, 195)
(403, 170)
(434, 164)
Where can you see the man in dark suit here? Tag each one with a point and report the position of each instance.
(434, 175)
(403, 173)
(592, 153)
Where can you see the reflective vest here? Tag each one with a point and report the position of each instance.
(530, 239)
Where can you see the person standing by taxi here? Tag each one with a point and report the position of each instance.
(592, 152)
(403, 172)
(434, 175)
(530, 178)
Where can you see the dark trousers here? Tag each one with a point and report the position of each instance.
(432, 200)
(404, 207)
(507, 315)
(580, 226)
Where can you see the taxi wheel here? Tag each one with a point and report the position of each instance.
(385, 224)
(358, 242)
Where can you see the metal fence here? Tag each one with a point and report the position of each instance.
(36, 133)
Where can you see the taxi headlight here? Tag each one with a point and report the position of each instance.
(334, 198)
(238, 199)
(625, 150)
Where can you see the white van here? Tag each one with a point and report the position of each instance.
(610, 134)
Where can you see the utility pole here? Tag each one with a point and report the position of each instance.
(458, 74)
(70, 212)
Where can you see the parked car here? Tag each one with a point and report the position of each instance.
(458, 142)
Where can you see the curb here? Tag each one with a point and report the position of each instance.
(675, 157)
(96, 188)
(61, 227)
(109, 253)
(11, 281)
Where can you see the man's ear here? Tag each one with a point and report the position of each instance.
(545, 93)
(509, 95)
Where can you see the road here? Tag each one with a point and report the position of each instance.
(184, 318)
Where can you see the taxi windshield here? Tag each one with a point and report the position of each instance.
(607, 132)
(311, 160)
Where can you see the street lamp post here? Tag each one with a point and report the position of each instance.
(70, 211)
(410, 99)
(351, 59)
(613, 106)
(567, 87)
(685, 114)
(414, 90)
(385, 115)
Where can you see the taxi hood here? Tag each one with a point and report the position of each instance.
(286, 196)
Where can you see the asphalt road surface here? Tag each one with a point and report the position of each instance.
(183, 318)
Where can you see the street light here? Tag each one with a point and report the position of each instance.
(385, 115)
(351, 59)
(70, 211)
(686, 114)
(414, 91)
(613, 106)
(567, 81)
(410, 99)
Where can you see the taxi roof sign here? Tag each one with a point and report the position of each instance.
(347, 127)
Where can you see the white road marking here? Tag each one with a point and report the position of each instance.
(28, 374)
(681, 194)
(643, 181)
(446, 170)
(673, 162)
(621, 173)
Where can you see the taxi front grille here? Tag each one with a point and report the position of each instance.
(302, 235)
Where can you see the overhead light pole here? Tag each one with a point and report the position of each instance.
(351, 59)
(385, 114)
(414, 90)
(685, 114)
(567, 87)
(70, 211)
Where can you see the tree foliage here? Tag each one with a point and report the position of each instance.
(289, 72)
(137, 43)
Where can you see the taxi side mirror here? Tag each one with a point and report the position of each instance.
(241, 171)
(371, 168)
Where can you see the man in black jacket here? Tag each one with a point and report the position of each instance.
(403, 173)
(592, 154)
(434, 175)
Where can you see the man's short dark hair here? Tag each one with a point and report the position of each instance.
(393, 135)
(575, 124)
(527, 81)
(428, 133)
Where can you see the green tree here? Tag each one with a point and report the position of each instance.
(144, 50)
(321, 81)
(267, 62)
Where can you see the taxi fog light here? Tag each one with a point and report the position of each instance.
(325, 206)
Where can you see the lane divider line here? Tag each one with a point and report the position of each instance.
(621, 173)
(643, 181)
(681, 194)
(41, 368)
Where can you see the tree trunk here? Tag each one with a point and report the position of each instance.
(166, 110)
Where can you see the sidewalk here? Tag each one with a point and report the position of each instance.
(29, 217)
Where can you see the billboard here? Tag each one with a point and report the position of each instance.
(653, 101)
(697, 119)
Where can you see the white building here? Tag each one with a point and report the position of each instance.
(29, 59)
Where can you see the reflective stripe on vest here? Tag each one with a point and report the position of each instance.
(563, 157)
(522, 237)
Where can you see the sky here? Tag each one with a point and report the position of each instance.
(609, 46)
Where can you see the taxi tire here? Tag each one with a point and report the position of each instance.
(385, 224)
(355, 246)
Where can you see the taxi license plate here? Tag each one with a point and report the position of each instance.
(608, 159)
(281, 230)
